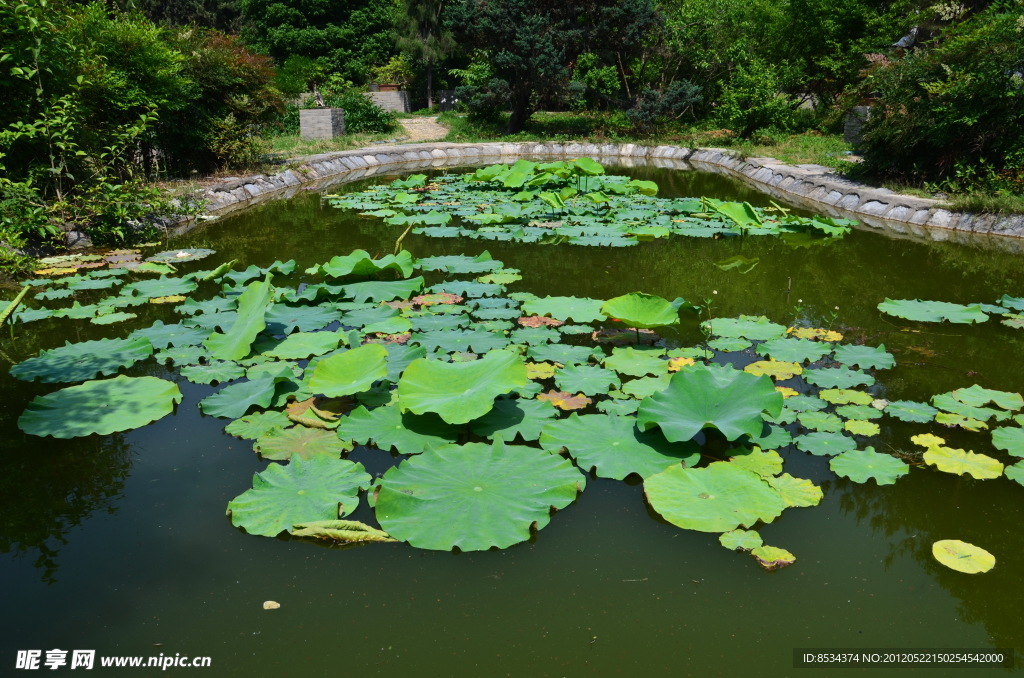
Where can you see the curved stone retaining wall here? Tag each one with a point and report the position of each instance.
(811, 186)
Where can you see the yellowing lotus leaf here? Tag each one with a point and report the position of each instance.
(772, 558)
(812, 333)
(540, 370)
(564, 400)
(963, 557)
(957, 461)
(776, 369)
(927, 440)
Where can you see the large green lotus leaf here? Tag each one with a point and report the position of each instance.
(252, 308)
(796, 491)
(837, 377)
(162, 336)
(764, 463)
(820, 421)
(946, 401)
(642, 310)
(717, 498)
(459, 392)
(459, 263)
(794, 350)
(383, 291)
(103, 406)
(474, 496)
(614, 446)
(303, 345)
(160, 287)
(637, 362)
(864, 357)
(350, 371)
(858, 412)
(703, 395)
(218, 371)
(908, 410)
(319, 488)
(84, 360)
(645, 387)
(235, 400)
(1009, 438)
(515, 417)
(580, 310)
(285, 319)
(976, 396)
(740, 540)
(963, 557)
(932, 311)
(388, 428)
(825, 443)
(253, 426)
(956, 461)
(476, 340)
(860, 465)
(842, 396)
(299, 441)
(399, 357)
(745, 327)
(563, 353)
(361, 263)
(1015, 472)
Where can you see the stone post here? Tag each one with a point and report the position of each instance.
(321, 123)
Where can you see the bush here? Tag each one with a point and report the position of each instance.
(654, 108)
(954, 111)
(752, 99)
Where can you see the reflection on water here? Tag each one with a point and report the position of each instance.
(120, 543)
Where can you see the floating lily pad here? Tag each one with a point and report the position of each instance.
(861, 465)
(218, 371)
(864, 357)
(253, 426)
(740, 540)
(765, 463)
(614, 447)
(303, 345)
(725, 398)
(566, 308)
(772, 558)
(716, 498)
(838, 377)
(746, 327)
(963, 557)
(103, 407)
(388, 428)
(824, 443)
(796, 491)
(299, 441)
(564, 400)
(522, 417)
(976, 396)
(180, 256)
(956, 461)
(319, 488)
(589, 379)
(861, 428)
(1009, 438)
(776, 369)
(932, 311)
(349, 372)
(83, 360)
(907, 410)
(642, 310)
(793, 350)
(474, 497)
(235, 400)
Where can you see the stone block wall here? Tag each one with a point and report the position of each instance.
(321, 123)
(392, 101)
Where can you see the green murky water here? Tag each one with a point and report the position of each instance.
(120, 544)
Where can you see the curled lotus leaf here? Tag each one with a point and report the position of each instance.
(716, 498)
(862, 465)
(958, 461)
(933, 311)
(460, 392)
(776, 369)
(475, 497)
(704, 395)
(963, 557)
(614, 447)
(642, 310)
(83, 360)
(318, 488)
(772, 557)
(299, 441)
(234, 344)
(1015, 472)
(361, 263)
(350, 371)
(102, 406)
(740, 540)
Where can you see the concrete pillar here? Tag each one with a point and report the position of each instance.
(321, 123)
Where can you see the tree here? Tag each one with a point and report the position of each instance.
(420, 30)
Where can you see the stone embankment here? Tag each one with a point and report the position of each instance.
(812, 186)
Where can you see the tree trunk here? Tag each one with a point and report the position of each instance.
(520, 114)
(430, 84)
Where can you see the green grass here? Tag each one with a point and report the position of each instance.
(983, 202)
(292, 145)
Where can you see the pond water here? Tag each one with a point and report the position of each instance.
(120, 544)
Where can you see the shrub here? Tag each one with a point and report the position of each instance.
(752, 99)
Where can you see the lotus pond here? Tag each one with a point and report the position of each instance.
(760, 430)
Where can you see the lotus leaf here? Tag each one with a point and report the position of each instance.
(745, 327)
(614, 447)
(928, 440)
(181, 355)
(253, 426)
(775, 438)
(645, 387)
(306, 344)
(476, 340)
(793, 350)
(963, 557)
(637, 362)
(235, 400)
(858, 412)
(540, 370)
(566, 401)
(798, 492)
(838, 377)
(215, 372)
(772, 558)
(949, 419)
(344, 531)
(774, 369)
(566, 308)
(815, 334)
(621, 408)
(350, 371)
(864, 357)
(475, 497)
(514, 417)
(102, 406)
(388, 428)
(319, 488)
(861, 428)
(383, 291)
(976, 396)
(906, 410)
(1009, 438)
(562, 353)
(161, 287)
(703, 395)
(162, 336)
(823, 443)
(83, 360)
(932, 311)
(957, 461)
(361, 263)
(763, 463)
(820, 421)
(740, 540)
(252, 307)
(176, 256)
(300, 442)
(717, 498)
(946, 401)
(642, 310)
(839, 396)
(1016, 472)
(860, 465)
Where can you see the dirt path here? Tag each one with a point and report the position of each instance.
(423, 129)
